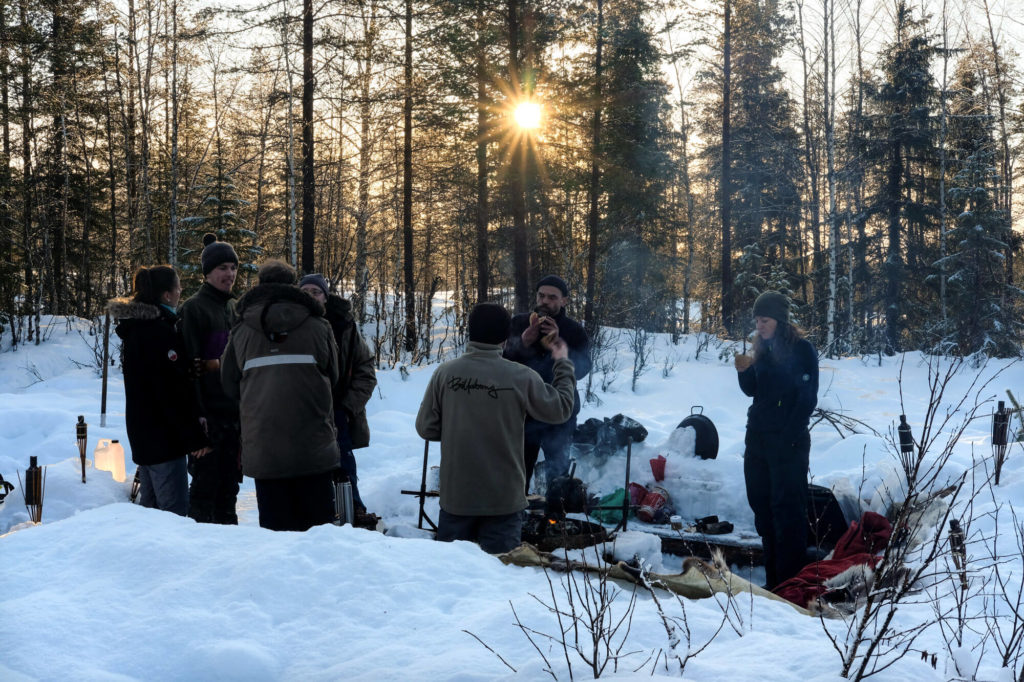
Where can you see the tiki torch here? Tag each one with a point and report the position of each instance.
(81, 432)
(1000, 431)
(959, 551)
(33, 488)
(906, 450)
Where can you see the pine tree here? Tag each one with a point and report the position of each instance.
(902, 155)
(983, 308)
(635, 158)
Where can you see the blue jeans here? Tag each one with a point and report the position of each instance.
(555, 440)
(165, 486)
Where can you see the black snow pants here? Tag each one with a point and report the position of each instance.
(776, 478)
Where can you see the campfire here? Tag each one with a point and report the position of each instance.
(547, 533)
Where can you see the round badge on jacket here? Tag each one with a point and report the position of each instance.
(172, 355)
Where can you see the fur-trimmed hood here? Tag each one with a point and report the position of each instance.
(127, 309)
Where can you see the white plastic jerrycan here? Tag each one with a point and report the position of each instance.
(109, 456)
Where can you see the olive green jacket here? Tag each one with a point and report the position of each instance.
(476, 405)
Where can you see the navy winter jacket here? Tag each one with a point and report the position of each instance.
(784, 386)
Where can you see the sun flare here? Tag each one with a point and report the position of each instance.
(527, 115)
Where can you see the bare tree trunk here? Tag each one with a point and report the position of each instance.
(812, 160)
(594, 215)
(1005, 193)
(829, 115)
(725, 188)
(308, 179)
(407, 253)
(943, 134)
(293, 251)
(172, 209)
(482, 253)
(520, 256)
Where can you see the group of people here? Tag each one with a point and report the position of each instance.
(273, 386)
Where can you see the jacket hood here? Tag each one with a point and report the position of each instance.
(127, 309)
(277, 308)
(339, 307)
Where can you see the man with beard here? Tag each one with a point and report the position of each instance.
(524, 346)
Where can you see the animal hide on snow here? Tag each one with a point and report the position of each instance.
(699, 579)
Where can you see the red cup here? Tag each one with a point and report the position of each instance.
(655, 499)
(658, 468)
(637, 493)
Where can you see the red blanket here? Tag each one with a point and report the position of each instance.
(860, 544)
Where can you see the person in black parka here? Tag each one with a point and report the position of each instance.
(160, 411)
(782, 378)
(356, 379)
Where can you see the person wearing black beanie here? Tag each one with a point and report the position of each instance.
(526, 345)
(206, 320)
(782, 379)
(476, 406)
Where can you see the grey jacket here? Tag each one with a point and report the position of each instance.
(476, 406)
(280, 363)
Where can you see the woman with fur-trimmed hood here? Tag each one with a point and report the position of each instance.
(160, 411)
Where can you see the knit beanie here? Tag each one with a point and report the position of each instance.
(488, 323)
(317, 279)
(772, 304)
(553, 281)
(215, 253)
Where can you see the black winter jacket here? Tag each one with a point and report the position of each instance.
(206, 321)
(356, 375)
(784, 386)
(160, 410)
(538, 358)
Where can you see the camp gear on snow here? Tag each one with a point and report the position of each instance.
(698, 580)
(5, 488)
(566, 495)
(826, 522)
(706, 445)
(636, 494)
(550, 534)
(859, 546)
(344, 509)
(658, 468)
(710, 525)
(109, 456)
(423, 493)
(676, 522)
(655, 499)
(81, 431)
(623, 509)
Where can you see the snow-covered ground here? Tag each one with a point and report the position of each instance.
(103, 589)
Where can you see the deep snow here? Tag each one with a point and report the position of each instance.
(103, 589)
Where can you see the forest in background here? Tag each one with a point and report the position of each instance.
(860, 158)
